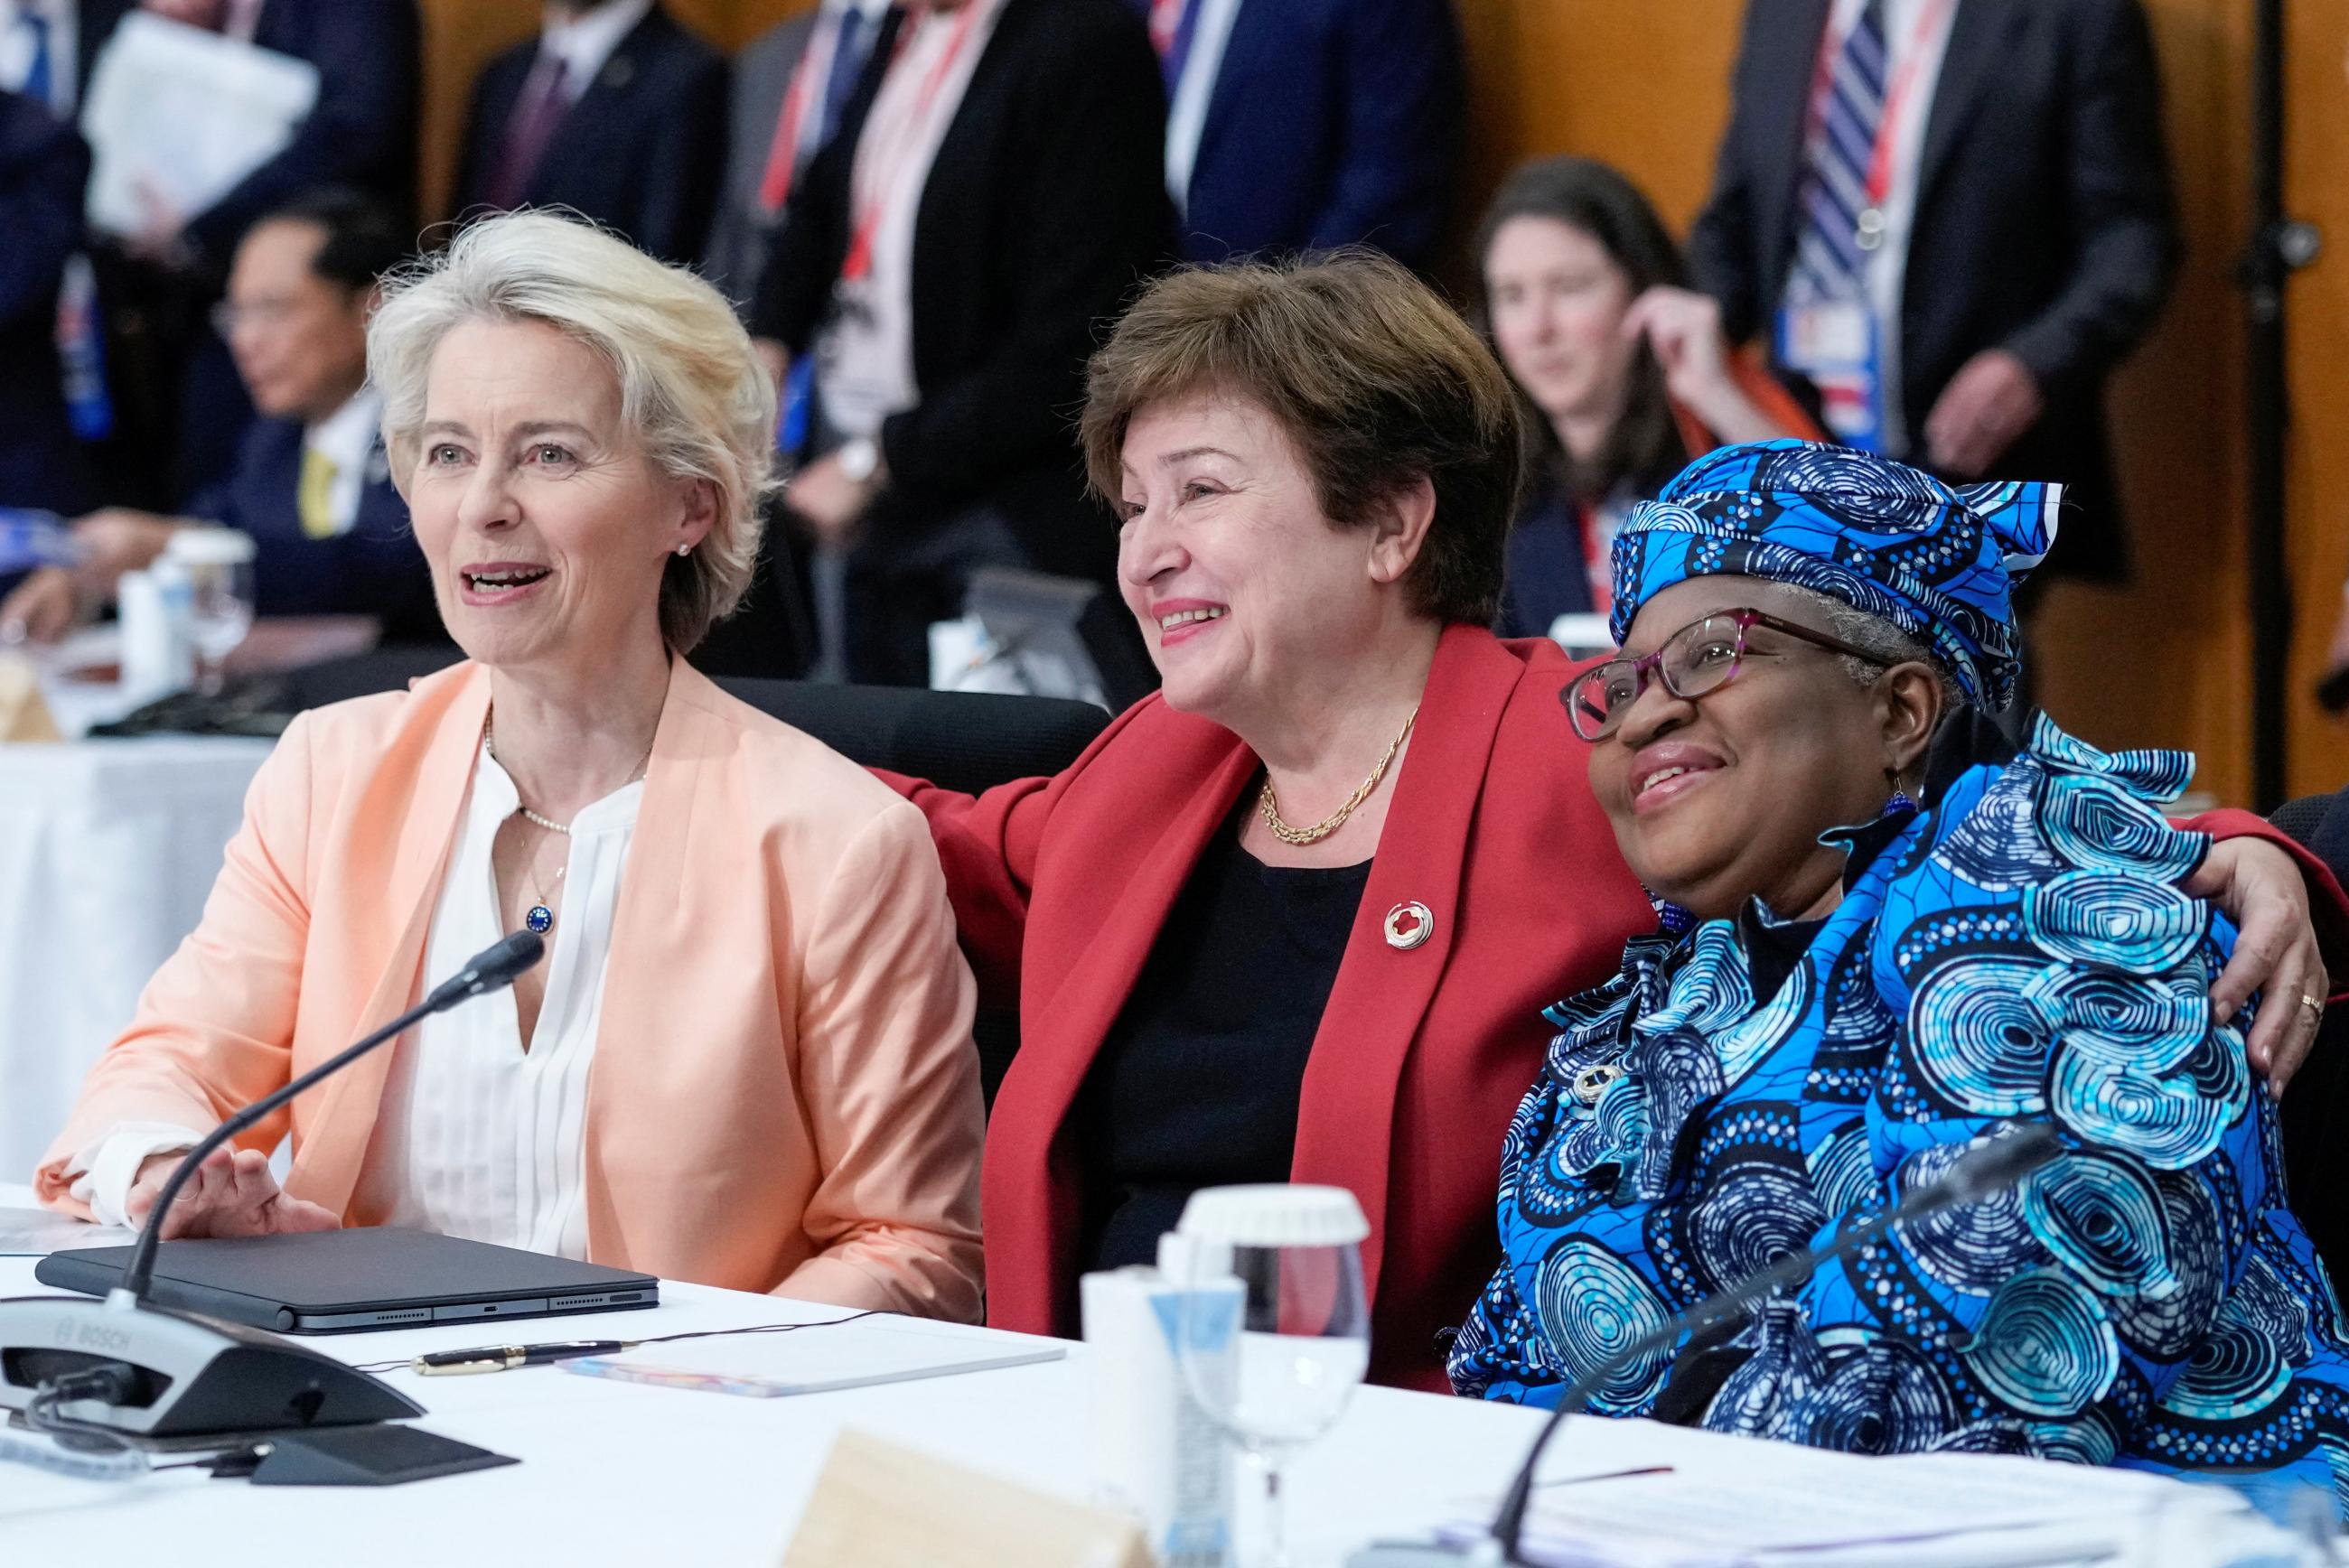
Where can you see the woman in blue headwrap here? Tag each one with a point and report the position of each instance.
(1891, 953)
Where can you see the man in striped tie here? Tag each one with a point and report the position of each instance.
(1950, 218)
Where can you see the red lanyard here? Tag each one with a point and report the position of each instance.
(1165, 21)
(783, 157)
(893, 143)
(1932, 17)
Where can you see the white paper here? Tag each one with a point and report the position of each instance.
(1925, 1510)
(816, 1359)
(184, 114)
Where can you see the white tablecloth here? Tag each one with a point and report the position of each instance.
(108, 849)
(626, 1474)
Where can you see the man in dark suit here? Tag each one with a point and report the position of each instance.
(616, 111)
(43, 167)
(312, 484)
(1953, 217)
(1304, 124)
(180, 407)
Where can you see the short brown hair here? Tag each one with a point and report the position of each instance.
(1376, 381)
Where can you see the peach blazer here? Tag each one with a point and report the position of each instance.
(784, 1095)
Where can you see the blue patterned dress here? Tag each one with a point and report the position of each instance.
(2021, 951)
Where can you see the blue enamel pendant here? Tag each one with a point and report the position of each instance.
(540, 919)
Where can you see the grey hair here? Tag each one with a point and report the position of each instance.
(1886, 644)
(692, 389)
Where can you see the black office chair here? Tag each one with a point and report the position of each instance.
(968, 741)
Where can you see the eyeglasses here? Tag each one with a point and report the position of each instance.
(1701, 656)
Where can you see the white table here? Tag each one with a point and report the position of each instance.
(626, 1474)
(108, 849)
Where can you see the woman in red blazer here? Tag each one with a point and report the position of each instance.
(1296, 916)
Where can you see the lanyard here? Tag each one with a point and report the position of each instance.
(783, 156)
(1931, 19)
(894, 142)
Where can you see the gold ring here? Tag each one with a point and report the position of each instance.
(2313, 1003)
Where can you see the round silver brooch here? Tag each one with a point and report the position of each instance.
(1409, 925)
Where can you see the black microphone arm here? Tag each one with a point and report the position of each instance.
(492, 969)
(1982, 1173)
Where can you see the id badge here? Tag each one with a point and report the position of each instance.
(1836, 345)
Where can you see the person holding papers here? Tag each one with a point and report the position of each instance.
(312, 485)
(746, 1060)
(1885, 943)
(1290, 918)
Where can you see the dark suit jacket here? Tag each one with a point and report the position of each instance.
(1045, 206)
(43, 167)
(374, 568)
(641, 150)
(2045, 223)
(2316, 1107)
(1332, 122)
(363, 132)
(741, 234)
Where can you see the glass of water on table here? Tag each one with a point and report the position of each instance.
(218, 564)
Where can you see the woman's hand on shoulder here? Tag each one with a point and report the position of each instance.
(232, 1193)
(2259, 887)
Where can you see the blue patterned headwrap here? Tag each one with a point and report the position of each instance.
(1942, 565)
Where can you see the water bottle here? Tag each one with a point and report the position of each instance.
(156, 608)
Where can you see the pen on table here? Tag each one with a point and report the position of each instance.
(506, 1357)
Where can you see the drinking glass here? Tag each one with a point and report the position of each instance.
(218, 564)
(1274, 1330)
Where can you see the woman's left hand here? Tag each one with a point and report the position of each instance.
(2259, 887)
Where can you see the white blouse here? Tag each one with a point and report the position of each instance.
(476, 1137)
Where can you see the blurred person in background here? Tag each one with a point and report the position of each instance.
(179, 409)
(614, 111)
(994, 193)
(792, 85)
(1586, 300)
(43, 167)
(1297, 125)
(313, 482)
(1951, 219)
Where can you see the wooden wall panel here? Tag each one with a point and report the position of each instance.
(1643, 84)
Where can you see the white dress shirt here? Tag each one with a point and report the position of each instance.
(64, 42)
(475, 1136)
(582, 42)
(1195, 91)
(346, 439)
(864, 359)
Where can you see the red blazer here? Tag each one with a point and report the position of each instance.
(1061, 886)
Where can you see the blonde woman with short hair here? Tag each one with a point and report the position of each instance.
(747, 1060)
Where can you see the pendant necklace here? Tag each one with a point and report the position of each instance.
(540, 917)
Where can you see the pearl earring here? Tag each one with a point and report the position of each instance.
(685, 549)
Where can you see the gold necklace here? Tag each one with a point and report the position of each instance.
(1267, 803)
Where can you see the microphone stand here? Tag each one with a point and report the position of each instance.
(140, 1368)
(1981, 1174)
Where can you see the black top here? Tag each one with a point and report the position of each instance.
(1198, 1081)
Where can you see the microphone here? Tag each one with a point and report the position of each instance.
(492, 969)
(128, 1364)
(1982, 1173)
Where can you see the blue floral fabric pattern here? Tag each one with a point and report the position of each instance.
(1939, 563)
(2019, 953)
